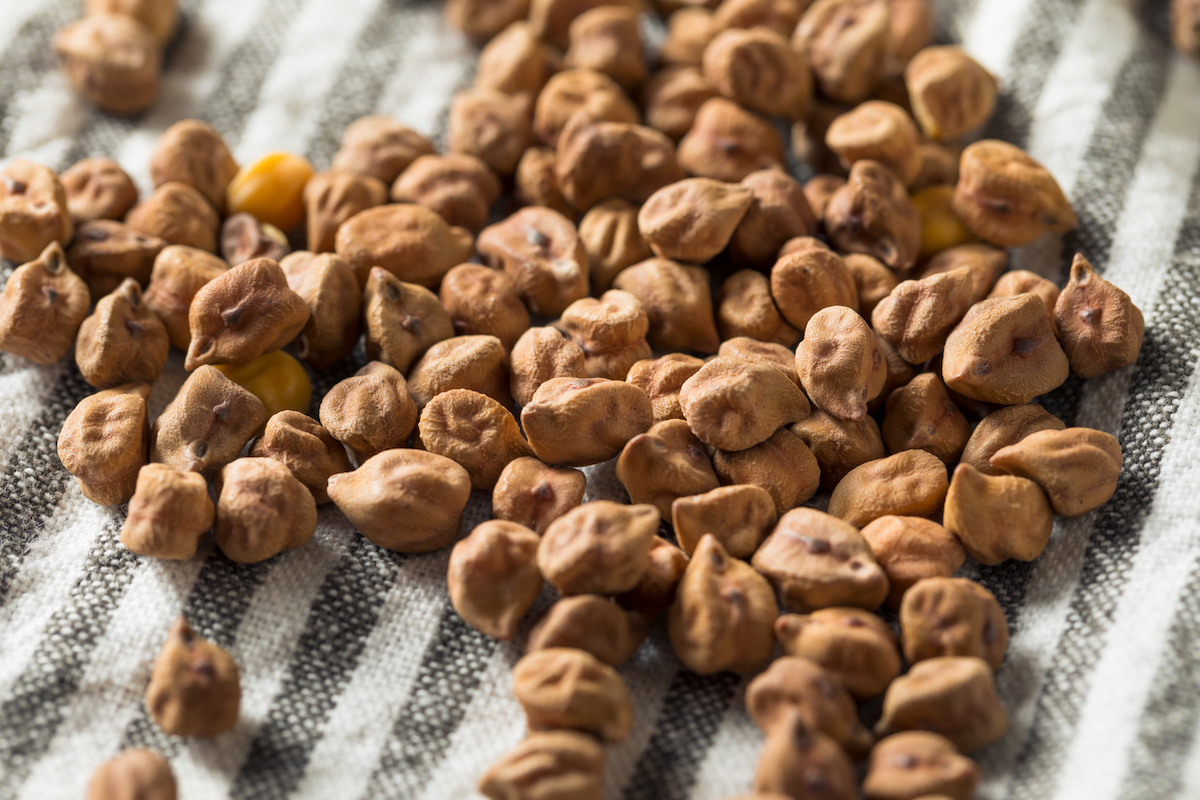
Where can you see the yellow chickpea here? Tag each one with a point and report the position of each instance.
(941, 228)
(277, 379)
(272, 189)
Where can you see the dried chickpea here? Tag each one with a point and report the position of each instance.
(739, 516)
(123, 341)
(918, 315)
(412, 242)
(104, 440)
(951, 93)
(587, 622)
(562, 687)
(794, 759)
(678, 304)
(179, 214)
(534, 183)
(539, 355)
(379, 147)
(941, 228)
(607, 39)
(745, 308)
(661, 380)
(1021, 281)
(598, 159)
(515, 61)
(262, 510)
(780, 16)
(953, 696)
(878, 131)
(795, 685)
(1077, 467)
(33, 211)
(919, 764)
(771, 353)
(334, 196)
(873, 214)
(723, 613)
(327, 285)
(693, 219)
(169, 513)
(599, 547)
(909, 483)
(921, 416)
(554, 764)
(804, 282)
(1099, 326)
(952, 617)
(673, 96)
(911, 549)
(42, 307)
(138, 774)
(847, 42)
(873, 280)
(778, 211)
(461, 362)
(179, 273)
(663, 464)
(112, 60)
(475, 431)
(839, 445)
(371, 411)
(689, 30)
(276, 379)
(1003, 427)
(482, 301)
(997, 517)
(912, 29)
(194, 689)
(535, 494)
(104, 253)
(854, 646)
(782, 465)
(493, 126)
(243, 313)
(402, 320)
(194, 153)
(243, 238)
(573, 90)
(458, 186)
(541, 253)
(839, 363)
(301, 444)
(656, 590)
(759, 69)
(98, 188)
(576, 422)
(493, 577)
(726, 142)
(983, 263)
(610, 234)
(410, 501)
(733, 404)
(818, 190)
(1005, 197)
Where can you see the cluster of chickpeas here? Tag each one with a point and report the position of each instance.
(667, 296)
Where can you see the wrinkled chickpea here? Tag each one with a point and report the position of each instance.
(301, 444)
(410, 241)
(169, 513)
(371, 411)
(1004, 351)
(572, 90)
(1023, 281)
(951, 93)
(575, 422)
(262, 510)
(918, 315)
(759, 69)
(877, 131)
(607, 39)
(379, 147)
(552, 764)
(911, 549)
(661, 380)
(723, 613)
(693, 219)
(561, 687)
(689, 30)
(492, 126)
(815, 560)
(207, 424)
(921, 416)
(952, 617)
(847, 43)
(402, 320)
(997, 517)
(475, 431)
(909, 483)
(539, 355)
(327, 285)
(726, 142)
(597, 159)
(778, 211)
(873, 280)
(244, 238)
(776, 355)
(839, 445)
(794, 759)
(1099, 326)
(535, 494)
(914, 764)
(33, 211)
(794, 685)
(98, 188)
(678, 304)
(334, 196)
(133, 775)
(1077, 467)
(664, 464)
(739, 516)
(42, 307)
(460, 187)
(840, 364)
(461, 362)
(112, 60)
(179, 273)
(179, 214)
(194, 689)
(807, 280)
(782, 465)
(599, 547)
(409, 501)
(104, 253)
(1005, 197)
(493, 577)
(854, 646)
(541, 253)
(534, 183)
(611, 332)
(733, 404)
(104, 441)
(123, 341)
(745, 308)
(552, 18)
(610, 235)
(482, 301)
(194, 153)
(672, 97)
(953, 696)
(874, 214)
(1003, 427)
(587, 622)
(515, 61)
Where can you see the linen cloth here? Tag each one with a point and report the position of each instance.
(360, 681)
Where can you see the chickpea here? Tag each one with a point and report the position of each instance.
(277, 379)
(272, 189)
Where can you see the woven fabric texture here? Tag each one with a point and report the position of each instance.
(360, 681)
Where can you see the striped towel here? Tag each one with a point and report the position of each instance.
(358, 679)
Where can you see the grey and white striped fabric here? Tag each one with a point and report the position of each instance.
(359, 681)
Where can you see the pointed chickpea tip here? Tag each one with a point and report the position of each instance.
(199, 352)
(1081, 269)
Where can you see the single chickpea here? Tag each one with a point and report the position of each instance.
(272, 189)
(277, 379)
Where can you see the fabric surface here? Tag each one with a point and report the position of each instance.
(359, 680)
